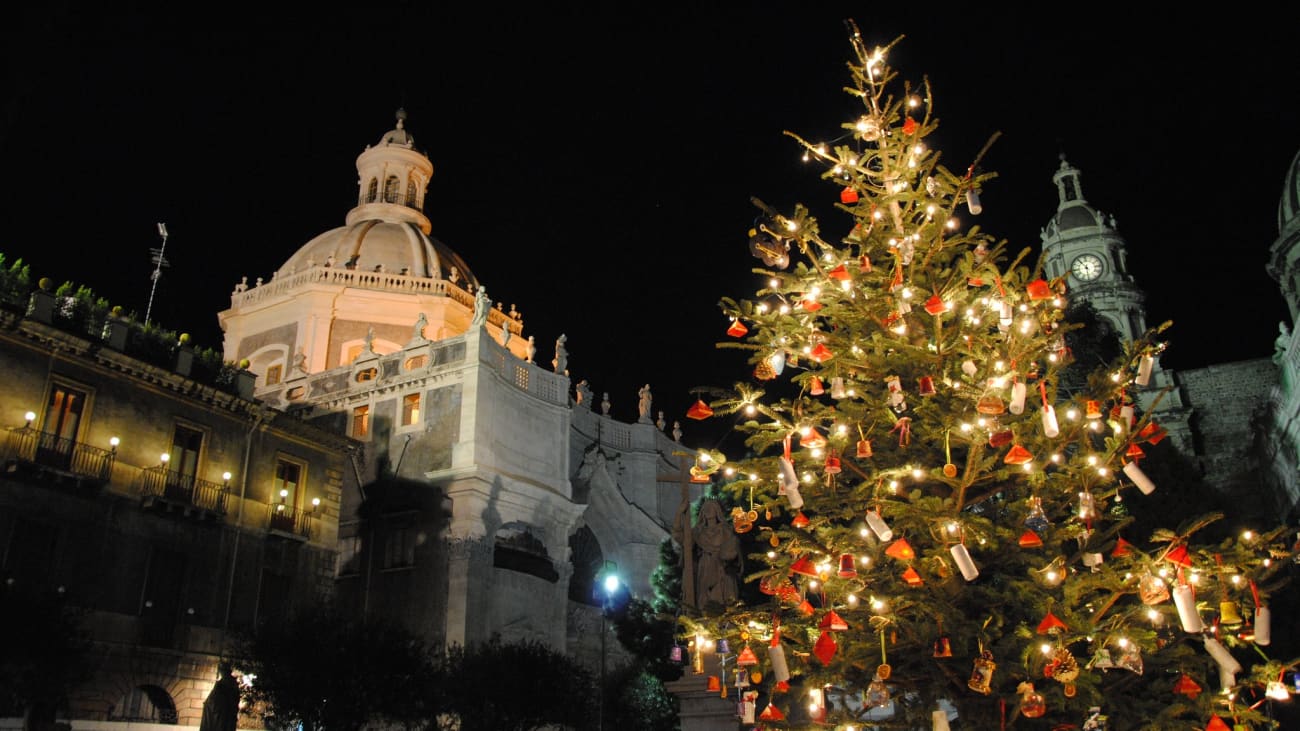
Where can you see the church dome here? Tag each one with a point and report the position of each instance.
(394, 247)
(1289, 207)
(387, 230)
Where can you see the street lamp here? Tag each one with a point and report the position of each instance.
(609, 587)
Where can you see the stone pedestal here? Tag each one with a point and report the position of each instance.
(701, 709)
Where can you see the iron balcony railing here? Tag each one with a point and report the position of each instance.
(25, 444)
(291, 520)
(176, 487)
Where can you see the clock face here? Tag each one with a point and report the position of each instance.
(1086, 267)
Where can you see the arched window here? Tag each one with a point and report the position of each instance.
(147, 703)
(587, 559)
(410, 193)
(373, 191)
(391, 185)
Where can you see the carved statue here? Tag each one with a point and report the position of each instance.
(481, 306)
(561, 360)
(712, 558)
(644, 404)
(221, 708)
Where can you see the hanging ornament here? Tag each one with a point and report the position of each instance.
(973, 202)
(763, 371)
(1152, 433)
(909, 126)
(1030, 539)
(897, 400)
(746, 657)
(1139, 478)
(1179, 556)
(879, 526)
(936, 305)
(981, 677)
(1050, 426)
(949, 469)
(1095, 721)
(939, 721)
(832, 622)
(815, 387)
(1122, 548)
(1063, 668)
(1018, 391)
(848, 196)
(777, 361)
(840, 273)
(699, 410)
(1092, 409)
(1018, 455)
(837, 388)
(1032, 704)
(1230, 614)
(1226, 661)
(714, 684)
(1145, 364)
(1101, 660)
(925, 386)
(821, 353)
(863, 448)
(964, 562)
(1185, 600)
(901, 550)
(1152, 589)
(776, 656)
(848, 566)
(832, 463)
(812, 439)
(825, 647)
(1263, 625)
(767, 248)
(1050, 623)
(1036, 520)
(1186, 686)
(799, 520)
(1087, 507)
(1001, 438)
(1216, 724)
(1131, 658)
(1134, 452)
(942, 647)
(911, 577)
(771, 713)
(746, 706)
(1039, 289)
(990, 404)
(676, 653)
(804, 567)
(737, 329)
(877, 693)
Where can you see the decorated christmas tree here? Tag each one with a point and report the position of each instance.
(937, 516)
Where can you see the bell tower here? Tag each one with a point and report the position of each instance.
(1082, 245)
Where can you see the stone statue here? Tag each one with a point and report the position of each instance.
(561, 360)
(505, 335)
(677, 431)
(481, 306)
(221, 708)
(644, 404)
(604, 403)
(417, 332)
(1282, 342)
(532, 349)
(583, 393)
(660, 421)
(713, 559)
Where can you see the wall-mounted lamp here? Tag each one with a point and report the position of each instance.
(30, 416)
(225, 478)
(284, 496)
(113, 442)
(165, 458)
(315, 504)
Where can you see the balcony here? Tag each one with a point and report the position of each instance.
(28, 449)
(161, 487)
(290, 521)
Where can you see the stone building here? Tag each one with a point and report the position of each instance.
(158, 499)
(493, 489)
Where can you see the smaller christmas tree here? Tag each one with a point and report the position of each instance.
(939, 520)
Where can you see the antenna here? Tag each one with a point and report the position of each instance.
(159, 262)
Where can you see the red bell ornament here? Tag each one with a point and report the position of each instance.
(737, 329)
(848, 566)
(936, 305)
(699, 410)
(1039, 289)
(815, 387)
(848, 196)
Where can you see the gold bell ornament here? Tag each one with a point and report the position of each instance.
(1230, 613)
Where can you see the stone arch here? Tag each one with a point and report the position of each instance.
(587, 558)
(516, 547)
(145, 703)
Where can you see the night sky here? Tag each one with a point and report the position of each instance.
(594, 165)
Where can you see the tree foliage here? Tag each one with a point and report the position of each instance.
(331, 672)
(516, 686)
(947, 517)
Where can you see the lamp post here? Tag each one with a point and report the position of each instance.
(609, 585)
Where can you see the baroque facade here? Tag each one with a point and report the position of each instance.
(165, 507)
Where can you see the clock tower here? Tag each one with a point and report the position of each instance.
(1081, 245)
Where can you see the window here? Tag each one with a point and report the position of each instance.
(367, 374)
(183, 461)
(410, 409)
(273, 374)
(361, 422)
(391, 185)
(272, 595)
(288, 481)
(372, 191)
(399, 547)
(410, 194)
(29, 557)
(160, 603)
(61, 425)
(349, 557)
(414, 362)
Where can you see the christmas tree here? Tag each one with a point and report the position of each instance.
(938, 514)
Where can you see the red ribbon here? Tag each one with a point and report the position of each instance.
(904, 428)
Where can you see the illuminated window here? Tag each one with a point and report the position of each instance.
(410, 409)
(414, 362)
(273, 374)
(361, 422)
(288, 482)
(367, 375)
